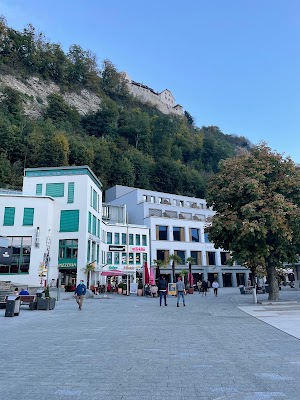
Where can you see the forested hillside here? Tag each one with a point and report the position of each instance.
(124, 141)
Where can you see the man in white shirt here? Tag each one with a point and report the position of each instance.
(215, 286)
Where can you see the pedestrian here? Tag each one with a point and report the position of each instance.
(180, 291)
(215, 286)
(23, 292)
(204, 287)
(249, 282)
(199, 285)
(16, 291)
(80, 292)
(162, 288)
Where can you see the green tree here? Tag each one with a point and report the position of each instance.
(113, 83)
(190, 261)
(256, 198)
(175, 260)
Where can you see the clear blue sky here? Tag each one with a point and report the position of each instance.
(230, 63)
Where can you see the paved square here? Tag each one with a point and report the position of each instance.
(130, 348)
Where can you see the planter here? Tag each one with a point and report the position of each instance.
(45, 304)
(120, 290)
(190, 290)
(140, 292)
(125, 291)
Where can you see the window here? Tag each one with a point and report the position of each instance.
(211, 258)
(159, 200)
(144, 240)
(88, 256)
(69, 220)
(94, 231)
(28, 216)
(137, 258)
(130, 238)
(123, 238)
(94, 200)
(71, 192)
(109, 238)
(98, 231)
(93, 257)
(144, 198)
(176, 233)
(162, 255)
(174, 202)
(19, 249)
(124, 256)
(138, 240)
(144, 257)
(181, 203)
(98, 251)
(195, 236)
(9, 216)
(55, 189)
(224, 257)
(130, 258)
(181, 254)
(90, 223)
(117, 258)
(162, 232)
(117, 238)
(38, 189)
(206, 239)
(152, 199)
(109, 257)
(196, 255)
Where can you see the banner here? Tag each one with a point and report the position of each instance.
(172, 289)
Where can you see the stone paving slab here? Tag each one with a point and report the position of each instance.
(127, 348)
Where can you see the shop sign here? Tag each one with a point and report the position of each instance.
(112, 268)
(116, 248)
(67, 263)
(128, 267)
(138, 249)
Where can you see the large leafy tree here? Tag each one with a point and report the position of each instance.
(257, 202)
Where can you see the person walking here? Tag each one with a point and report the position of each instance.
(215, 286)
(199, 285)
(204, 288)
(162, 288)
(180, 291)
(80, 292)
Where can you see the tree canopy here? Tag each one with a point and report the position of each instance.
(256, 197)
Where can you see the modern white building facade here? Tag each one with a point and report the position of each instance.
(177, 226)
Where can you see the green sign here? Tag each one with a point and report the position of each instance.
(67, 263)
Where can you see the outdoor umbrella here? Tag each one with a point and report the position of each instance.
(113, 273)
(191, 279)
(146, 274)
(151, 280)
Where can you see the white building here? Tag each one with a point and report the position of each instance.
(177, 227)
(54, 227)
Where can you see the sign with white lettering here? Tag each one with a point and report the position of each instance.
(116, 247)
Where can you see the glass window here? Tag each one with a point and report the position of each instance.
(117, 238)
(194, 255)
(206, 239)
(109, 238)
(130, 238)
(181, 254)
(68, 248)
(195, 235)
(176, 233)
(123, 238)
(130, 258)
(174, 202)
(109, 257)
(138, 240)
(137, 258)
(162, 232)
(117, 257)
(152, 199)
(94, 232)
(181, 203)
(160, 255)
(124, 258)
(28, 216)
(144, 257)
(159, 200)
(211, 258)
(144, 198)
(144, 240)
(20, 249)
(224, 257)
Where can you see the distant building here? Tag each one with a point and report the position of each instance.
(164, 100)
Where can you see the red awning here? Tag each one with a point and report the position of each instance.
(114, 272)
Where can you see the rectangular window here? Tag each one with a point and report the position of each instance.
(211, 258)
(176, 234)
(137, 240)
(109, 238)
(144, 257)
(144, 198)
(130, 239)
(137, 258)
(117, 238)
(206, 239)
(94, 200)
(181, 254)
(162, 255)
(152, 199)
(224, 257)
(124, 258)
(130, 258)
(9, 216)
(69, 221)
(98, 230)
(28, 216)
(196, 255)
(144, 240)
(117, 258)
(90, 223)
(98, 251)
(71, 192)
(93, 257)
(68, 249)
(124, 238)
(38, 189)
(162, 232)
(55, 189)
(94, 231)
(195, 236)
(88, 251)
(19, 249)
(109, 257)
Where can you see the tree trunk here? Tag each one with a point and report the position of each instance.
(273, 283)
(190, 272)
(173, 271)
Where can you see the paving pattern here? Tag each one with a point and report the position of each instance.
(129, 348)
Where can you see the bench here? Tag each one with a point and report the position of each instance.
(27, 299)
(246, 289)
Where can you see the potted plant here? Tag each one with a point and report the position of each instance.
(120, 288)
(190, 261)
(89, 268)
(47, 302)
(124, 288)
(140, 289)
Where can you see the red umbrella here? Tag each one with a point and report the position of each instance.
(191, 279)
(146, 274)
(152, 280)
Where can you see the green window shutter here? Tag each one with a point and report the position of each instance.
(88, 251)
(71, 192)
(9, 216)
(55, 189)
(90, 223)
(38, 189)
(94, 200)
(28, 216)
(94, 225)
(69, 221)
(98, 228)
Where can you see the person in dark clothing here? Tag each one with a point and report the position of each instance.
(204, 287)
(162, 288)
(80, 292)
(24, 292)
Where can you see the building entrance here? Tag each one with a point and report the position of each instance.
(68, 279)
